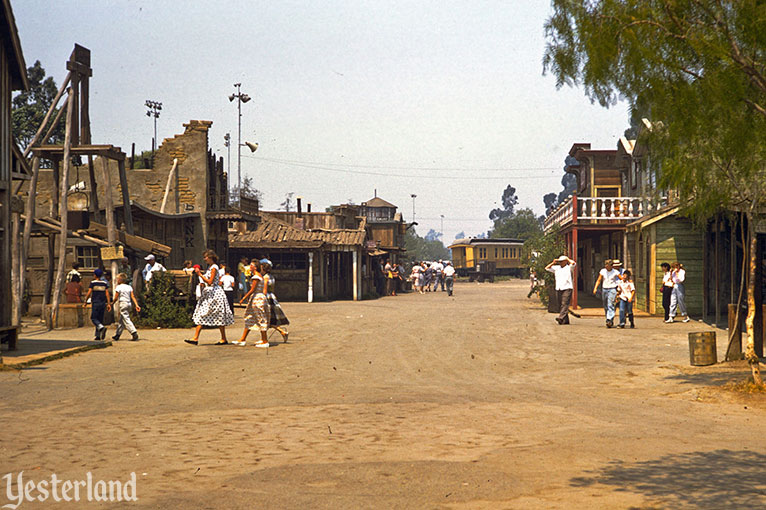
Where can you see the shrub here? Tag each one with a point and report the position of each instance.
(159, 306)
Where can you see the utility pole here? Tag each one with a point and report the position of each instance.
(153, 110)
(241, 98)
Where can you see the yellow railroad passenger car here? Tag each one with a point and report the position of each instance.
(504, 253)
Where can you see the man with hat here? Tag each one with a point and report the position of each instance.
(151, 266)
(608, 278)
(562, 269)
(618, 266)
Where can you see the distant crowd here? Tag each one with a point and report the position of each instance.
(424, 277)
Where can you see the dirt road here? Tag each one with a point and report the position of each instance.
(417, 401)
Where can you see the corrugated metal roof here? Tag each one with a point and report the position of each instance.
(273, 233)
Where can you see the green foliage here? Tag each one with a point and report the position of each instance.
(159, 309)
(697, 66)
(248, 191)
(419, 248)
(539, 251)
(29, 108)
(523, 225)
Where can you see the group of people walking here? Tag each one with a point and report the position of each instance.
(431, 276)
(618, 292)
(214, 306)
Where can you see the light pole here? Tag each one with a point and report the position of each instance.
(154, 108)
(442, 229)
(227, 144)
(413, 196)
(241, 98)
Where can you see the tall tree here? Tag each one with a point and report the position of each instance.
(287, 205)
(522, 225)
(549, 200)
(30, 107)
(699, 67)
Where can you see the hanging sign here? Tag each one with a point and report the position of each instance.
(112, 253)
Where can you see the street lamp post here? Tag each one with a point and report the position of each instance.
(442, 229)
(413, 196)
(153, 110)
(227, 144)
(241, 98)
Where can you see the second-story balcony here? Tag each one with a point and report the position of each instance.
(600, 210)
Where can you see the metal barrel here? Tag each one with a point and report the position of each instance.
(702, 350)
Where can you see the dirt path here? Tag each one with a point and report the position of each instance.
(474, 401)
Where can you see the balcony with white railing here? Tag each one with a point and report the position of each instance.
(601, 210)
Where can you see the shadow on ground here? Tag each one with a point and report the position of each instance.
(27, 346)
(710, 378)
(721, 479)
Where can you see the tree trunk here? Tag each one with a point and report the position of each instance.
(750, 355)
(731, 356)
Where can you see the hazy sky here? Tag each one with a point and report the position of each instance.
(445, 100)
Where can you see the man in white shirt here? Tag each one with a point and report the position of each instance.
(562, 269)
(608, 277)
(449, 276)
(152, 266)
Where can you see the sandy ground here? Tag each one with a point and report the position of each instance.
(418, 401)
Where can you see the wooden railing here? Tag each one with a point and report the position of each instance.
(591, 210)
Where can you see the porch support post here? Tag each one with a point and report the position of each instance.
(574, 276)
(355, 259)
(311, 277)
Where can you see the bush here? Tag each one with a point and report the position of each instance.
(538, 253)
(158, 306)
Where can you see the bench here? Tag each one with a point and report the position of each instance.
(9, 335)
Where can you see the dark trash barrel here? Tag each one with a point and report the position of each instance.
(702, 351)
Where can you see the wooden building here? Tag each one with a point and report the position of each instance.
(504, 253)
(385, 227)
(13, 76)
(316, 256)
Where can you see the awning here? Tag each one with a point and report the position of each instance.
(638, 225)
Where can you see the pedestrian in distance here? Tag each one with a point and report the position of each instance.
(124, 297)
(257, 311)
(449, 276)
(228, 282)
(73, 290)
(562, 269)
(678, 297)
(74, 272)
(608, 278)
(212, 308)
(667, 289)
(152, 266)
(415, 276)
(428, 276)
(626, 293)
(98, 293)
(532, 283)
(277, 317)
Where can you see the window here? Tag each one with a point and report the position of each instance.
(495, 252)
(88, 256)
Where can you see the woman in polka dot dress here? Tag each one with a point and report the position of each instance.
(212, 308)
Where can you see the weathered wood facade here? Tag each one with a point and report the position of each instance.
(13, 76)
(309, 263)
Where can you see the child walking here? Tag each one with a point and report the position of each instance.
(98, 292)
(626, 292)
(124, 294)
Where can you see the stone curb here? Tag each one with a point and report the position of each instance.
(39, 359)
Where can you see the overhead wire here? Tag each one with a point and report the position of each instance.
(345, 169)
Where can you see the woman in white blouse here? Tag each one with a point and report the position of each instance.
(678, 297)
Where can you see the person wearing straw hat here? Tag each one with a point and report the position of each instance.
(562, 269)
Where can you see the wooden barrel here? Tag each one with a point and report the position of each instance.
(702, 349)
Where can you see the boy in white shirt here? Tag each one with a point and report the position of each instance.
(227, 282)
(124, 294)
(626, 293)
